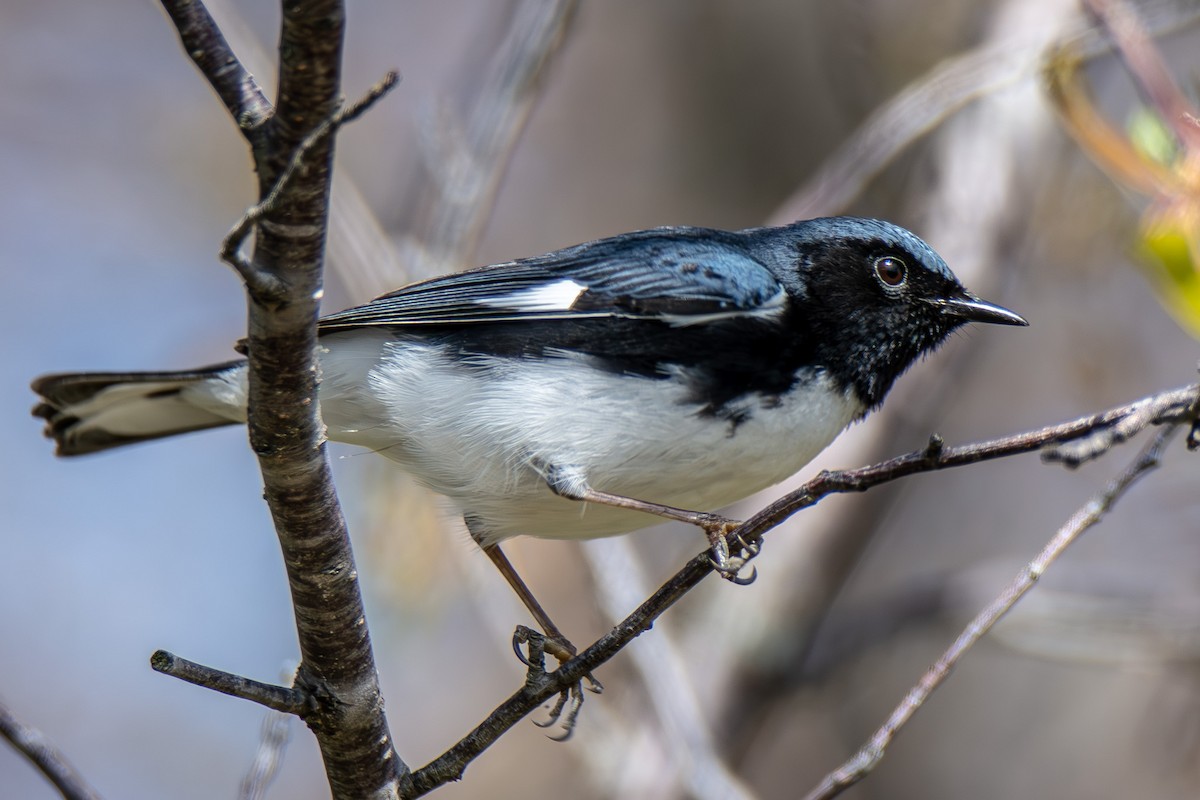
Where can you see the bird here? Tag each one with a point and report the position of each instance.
(595, 389)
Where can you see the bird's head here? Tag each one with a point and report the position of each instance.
(876, 297)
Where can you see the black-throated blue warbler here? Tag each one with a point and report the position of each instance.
(658, 371)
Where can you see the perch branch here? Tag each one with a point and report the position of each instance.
(1177, 405)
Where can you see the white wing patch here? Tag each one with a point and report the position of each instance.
(557, 296)
(773, 307)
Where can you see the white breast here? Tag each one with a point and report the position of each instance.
(473, 431)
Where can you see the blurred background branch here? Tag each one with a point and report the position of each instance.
(45, 757)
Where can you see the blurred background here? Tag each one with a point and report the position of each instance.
(123, 173)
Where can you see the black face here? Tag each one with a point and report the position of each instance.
(875, 306)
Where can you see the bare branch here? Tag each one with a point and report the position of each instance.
(277, 698)
(50, 761)
(1178, 405)
(206, 46)
(262, 282)
(857, 767)
(285, 283)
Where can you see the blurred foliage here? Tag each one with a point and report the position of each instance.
(1154, 159)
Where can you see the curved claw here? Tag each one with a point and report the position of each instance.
(555, 712)
(575, 696)
(561, 737)
(725, 568)
(567, 732)
(568, 724)
(731, 569)
(537, 648)
(751, 548)
(746, 581)
(516, 646)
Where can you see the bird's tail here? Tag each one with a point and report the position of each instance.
(86, 412)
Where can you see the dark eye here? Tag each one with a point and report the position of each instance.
(891, 271)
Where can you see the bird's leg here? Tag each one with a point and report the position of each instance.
(556, 644)
(570, 700)
(571, 484)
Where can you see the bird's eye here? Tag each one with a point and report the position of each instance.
(891, 271)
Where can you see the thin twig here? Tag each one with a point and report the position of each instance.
(50, 761)
(358, 252)
(1172, 406)
(264, 283)
(206, 46)
(276, 698)
(1095, 444)
(857, 767)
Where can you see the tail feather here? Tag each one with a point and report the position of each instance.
(93, 411)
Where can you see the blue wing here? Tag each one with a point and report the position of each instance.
(683, 276)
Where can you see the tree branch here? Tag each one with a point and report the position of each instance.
(263, 282)
(1178, 405)
(337, 670)
(206, 46)
(278, 698)
(50, 761)
(858, 766)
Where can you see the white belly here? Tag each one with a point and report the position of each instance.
(473, 433)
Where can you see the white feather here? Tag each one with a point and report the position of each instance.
(557, 296)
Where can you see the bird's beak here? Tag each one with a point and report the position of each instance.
(967, 306)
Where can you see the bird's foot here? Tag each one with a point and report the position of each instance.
(531, 648)
(728, 565)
